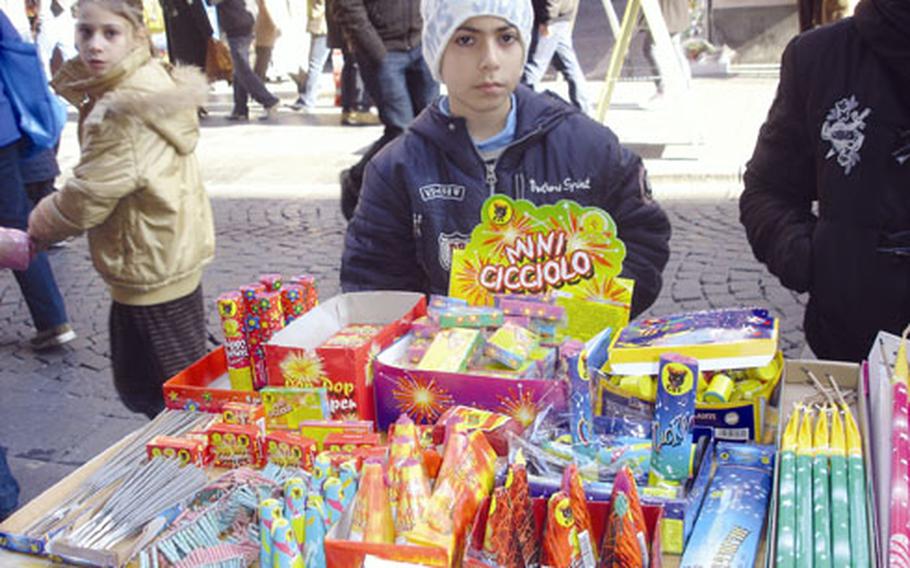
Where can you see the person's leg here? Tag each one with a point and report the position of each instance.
(245, 78)
(319, 54)
(150, 344)
(566, 62)
(422, 88)
(539, 59)
(43, 298)
(263, 59)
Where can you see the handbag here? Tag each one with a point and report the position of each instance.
(39, 113)
(218, 64)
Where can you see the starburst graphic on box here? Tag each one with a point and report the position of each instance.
(422, 399)
(302, 369)
(498, 237)
(467, 280)
(520, 405)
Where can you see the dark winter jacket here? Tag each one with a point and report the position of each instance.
(838, 133)
(550, 11)
(377, 26)
(422, 195)
(234, 19)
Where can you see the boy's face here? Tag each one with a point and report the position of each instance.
(103, 38)
(481, 65)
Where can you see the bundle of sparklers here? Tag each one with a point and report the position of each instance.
(821, 516)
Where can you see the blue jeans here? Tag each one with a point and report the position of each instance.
(9, 489)
(557, 47)
(246, 83)
(45, 304)
(353, 94)
(319, 54)
(401, 85)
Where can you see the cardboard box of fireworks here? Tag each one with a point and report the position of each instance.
(849, 533)
(334, 344)
(738, 360)
(204, 386)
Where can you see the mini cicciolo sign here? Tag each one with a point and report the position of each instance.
(565, 249)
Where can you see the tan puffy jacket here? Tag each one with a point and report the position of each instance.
(137, 188)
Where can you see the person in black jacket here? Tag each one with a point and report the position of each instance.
(552, 43)
(826, 204)
(386, 42)
(423, 194)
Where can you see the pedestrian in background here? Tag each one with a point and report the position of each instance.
(386, 39)
(55, 30)
(138, 193)
(188, 30)
(236, 21)
(308, 89)
(488, 136)
(676, 16)
(37, 284)
(355, 101)
(552, 42)
(265, 32)
(826, 204)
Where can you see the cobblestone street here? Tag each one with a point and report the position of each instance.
(60, 409)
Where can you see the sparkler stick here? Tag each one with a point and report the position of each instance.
(786, 500)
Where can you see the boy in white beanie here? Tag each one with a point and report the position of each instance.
(422, 195)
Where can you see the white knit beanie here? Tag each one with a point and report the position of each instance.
(442, 17)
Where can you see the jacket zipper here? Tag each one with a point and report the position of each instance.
(490, 177)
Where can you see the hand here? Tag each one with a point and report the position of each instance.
(544, 30)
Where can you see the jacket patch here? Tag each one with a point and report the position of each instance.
(450, 192)
(447, 243)
(567, 185)
(843, 128)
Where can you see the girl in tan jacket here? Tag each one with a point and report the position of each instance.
(138, 193)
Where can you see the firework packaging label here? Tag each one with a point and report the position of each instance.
(674, 416)
(188, 451)
(232, 310)
(288, 449)
(494, 425)
(511, 345)
(319, 430)
(243, 413)
(286, 408)
(333, 346)
(729, 527)
(730, 338)
(350, 443)
(520, 248)
(451, 350)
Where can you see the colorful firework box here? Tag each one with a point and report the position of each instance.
(347, 442)
(312, 351)
(288, 449)
(796, 386)
(343, 553)
(496, 427)
(243, 413)
(204, 386)
(734, 338)
(736, 421)
(286, 408)
(188, 451)
(233, 445)
(425, 395)
(473, 557)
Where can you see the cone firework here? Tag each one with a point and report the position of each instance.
(232, 310)
(314, 556)
(269, 511)
(286, 553)
(560, 540)
(372, 516)
(347, 473)
(520, 498)
(403, 447)
(500, 540)
(625, 533)
(295, 507)
(571, 486)
(413, 496)
(333, 493)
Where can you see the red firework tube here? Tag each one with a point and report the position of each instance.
(231, 309)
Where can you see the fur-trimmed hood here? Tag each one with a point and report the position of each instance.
(163, 97)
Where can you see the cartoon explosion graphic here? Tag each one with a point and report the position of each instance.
(467, 281)
(498, 237)
(423, 400)
(610, 290)
(519, 405)
(302, 369)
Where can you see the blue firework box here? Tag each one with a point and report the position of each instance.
(723, 339)
(424, 394)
